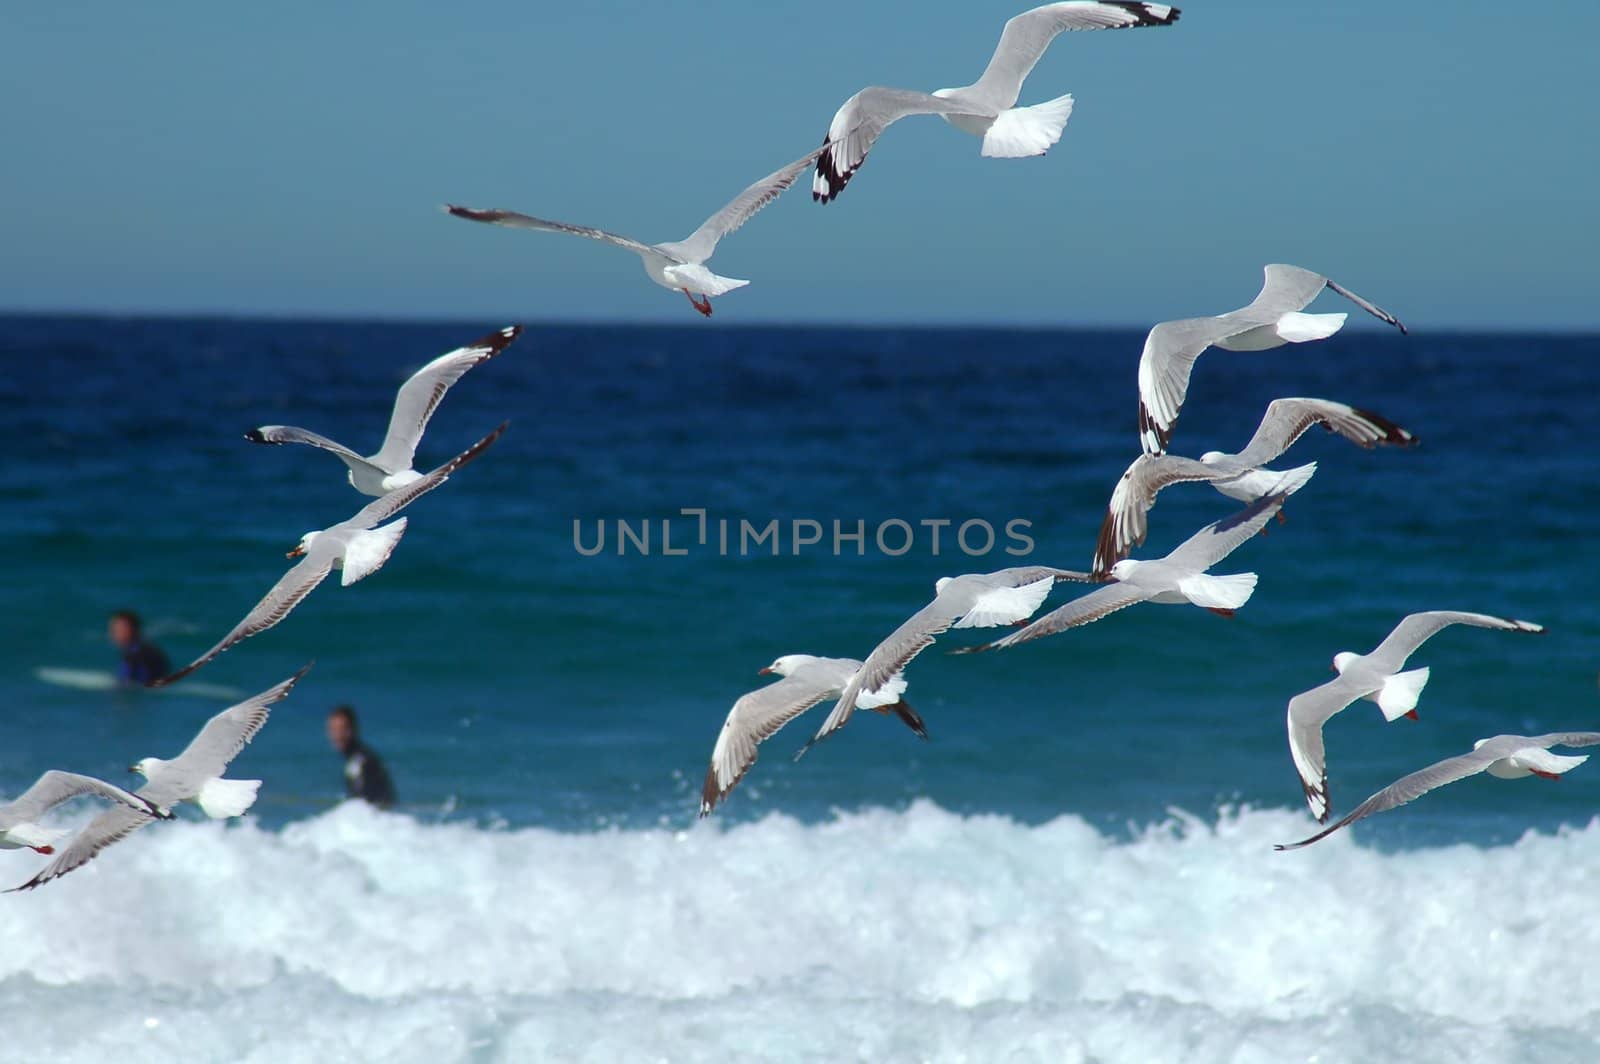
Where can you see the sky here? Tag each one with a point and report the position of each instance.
(293, 158)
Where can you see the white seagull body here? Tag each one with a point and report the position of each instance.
(678, 265)
(987, 108)
(1273, 319)
(195, 775)
(357, 547)
(974, 600)
(19, 826)
(1507, 757)
(390, 468)
(1243, 476)
(1178, 578)
(1375, 676)
(757, 716)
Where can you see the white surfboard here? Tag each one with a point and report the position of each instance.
(100, 680)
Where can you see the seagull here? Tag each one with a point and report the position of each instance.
(1241, 476)
(1375, 676)
(390, 468)
(356, 546)
(1508, 757)
(19, 828)
(678, 265)
(973, 600)
(1179, 577)
(1272, 320)
(986, 108)
(757, 716)
(195, 775)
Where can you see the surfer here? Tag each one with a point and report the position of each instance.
(364, 774)
(142, 660)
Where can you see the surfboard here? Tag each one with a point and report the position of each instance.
(100, 680)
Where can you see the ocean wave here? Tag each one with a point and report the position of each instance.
(914, 935)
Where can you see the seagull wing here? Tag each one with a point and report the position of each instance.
(275, 434)
(111, 826)
(54, 788)
(698, 245)
(1219, 539)
(1286, 420)
(1308, 712)
(857, 126)
(290, 590)
(1125, 524)
(420, 396)
(385, 507)
(1418, 628)
(208, 754)
(1026, 36)
(756, 717)
(513, 220)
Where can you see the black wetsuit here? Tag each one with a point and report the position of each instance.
(365, 777)
(142, 662)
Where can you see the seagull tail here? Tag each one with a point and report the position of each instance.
(1023, 131)
(220, 799)
(1399, 693)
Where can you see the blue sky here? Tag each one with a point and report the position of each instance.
(1440, 159)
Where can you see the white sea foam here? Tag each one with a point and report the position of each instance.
(917, 935)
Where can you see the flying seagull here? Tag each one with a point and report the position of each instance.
(1508, 757)
(973, 600)
(757, 716)
(1273, 319)
(986, 108)
(19, 827)
(1241, 476)
(678, 265)
(1178, 578)
(1375, 676)
(356, 546)
(195, 775)
(389, 469)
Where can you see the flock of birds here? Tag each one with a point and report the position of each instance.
(360, 545)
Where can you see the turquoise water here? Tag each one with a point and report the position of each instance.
(547, 715)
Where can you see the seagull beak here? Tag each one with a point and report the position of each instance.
(295, 553)
(764, 672)
(133, 768)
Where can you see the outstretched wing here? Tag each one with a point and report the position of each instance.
(513, 220)
(275, 434)
(1221, 538)
(1418, 628)
(385, 507)
(756, 717)
(111, 826)
(208, 754)
(889, 658)
(290, 590)
(1286, 420)
(698, 245)
(420, 396)
(1027, 35)
(1308, 712)
(54, 788)
(1125, 524)
(857, 126)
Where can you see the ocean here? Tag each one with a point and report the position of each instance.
(1077, 866)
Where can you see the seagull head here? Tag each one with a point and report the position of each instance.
(304, 544)
(143, 766)
(1212, 457)
(785, 665)
(940, 584)
(1342, 660)
(1124, 569)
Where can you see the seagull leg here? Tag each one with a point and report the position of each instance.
(1546, 775)
(1220, 612)
(46, 850)
(1282, 520)
(703, 307)
(1413, 715)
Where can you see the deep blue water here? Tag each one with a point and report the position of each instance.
(506, 677)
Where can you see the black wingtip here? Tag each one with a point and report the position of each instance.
(256, 436)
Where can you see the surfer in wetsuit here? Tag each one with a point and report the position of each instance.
(142, 660)
(364, 774)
